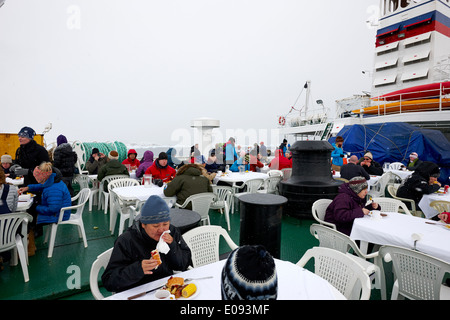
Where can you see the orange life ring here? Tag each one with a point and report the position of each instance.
(281, 121)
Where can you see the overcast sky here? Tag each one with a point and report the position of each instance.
(140, 70)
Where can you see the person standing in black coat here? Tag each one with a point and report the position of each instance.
(131, 263)
(64, 158)
(29, 155)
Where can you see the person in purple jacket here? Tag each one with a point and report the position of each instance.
(146, 162)
(349, 204)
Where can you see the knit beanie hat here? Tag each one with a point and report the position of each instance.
(95, 150)
(358, 184)
(162, 156)
(61, 139)
(155, 210)
(414, 155)
(249, 274)
(6, 158)
(113, 155)
(368, 154)
(26, 132)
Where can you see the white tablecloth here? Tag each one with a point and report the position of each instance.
(294, 283)
(396, 229)
(424, 203)
(233, 177)
(141, 193)
(370, 183)
(403, 174)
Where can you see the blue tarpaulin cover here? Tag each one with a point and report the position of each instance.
(393, 142)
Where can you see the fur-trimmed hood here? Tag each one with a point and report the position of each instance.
(191, 169)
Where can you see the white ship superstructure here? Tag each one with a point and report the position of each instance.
(412, 45)
(410, 78)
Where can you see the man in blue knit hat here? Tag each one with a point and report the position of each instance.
(131, 263)
(30, 154)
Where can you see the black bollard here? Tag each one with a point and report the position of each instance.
(311, 178)
(261, 221)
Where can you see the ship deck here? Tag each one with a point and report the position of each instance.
(54, 278)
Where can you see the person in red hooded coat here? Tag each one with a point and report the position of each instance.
(132, 160)
(280, 161)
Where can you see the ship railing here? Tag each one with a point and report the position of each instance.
(425, 101)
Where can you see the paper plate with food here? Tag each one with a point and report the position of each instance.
(180, 289)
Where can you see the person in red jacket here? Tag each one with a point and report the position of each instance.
(254, 161)
(132, 160)
(160, 169)
(280, 161)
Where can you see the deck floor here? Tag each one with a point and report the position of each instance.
(66, 274)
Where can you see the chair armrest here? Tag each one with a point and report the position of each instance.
(61, 212)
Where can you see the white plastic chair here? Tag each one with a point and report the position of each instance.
(101, 262)
(341, 271)
(392, 189)
(201, 203)
(396, 166)
(204, 244)
(9, 239)
(252, 186)
(271, 185)
(378, 189)
(287, 173)
(336, 240)
(122, 210)
(418, 276)
(275, 173)
(75, 219)
(85, 181)
(116, 204)
(440, 206)
(222, 200)
(391, 205)
(103, 197)
(319, 209)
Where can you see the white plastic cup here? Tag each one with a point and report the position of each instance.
(164, 295)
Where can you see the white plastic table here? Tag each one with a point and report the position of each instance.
(397, 229)
(233, 177)
(294, 283)
(141, 193)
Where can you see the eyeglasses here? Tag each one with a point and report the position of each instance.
(367, 159)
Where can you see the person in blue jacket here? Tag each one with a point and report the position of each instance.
(243, 161)
(337, 154)
(55, 194)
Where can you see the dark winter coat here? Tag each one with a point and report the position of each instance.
(189, 181)
(346, 207)
(414, 165)
(418, 183)
(112, 167)
(351, 170)
(375, 168)
(64, 158)
(29, 156)
(124, 270)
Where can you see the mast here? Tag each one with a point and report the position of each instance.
(308, 93)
